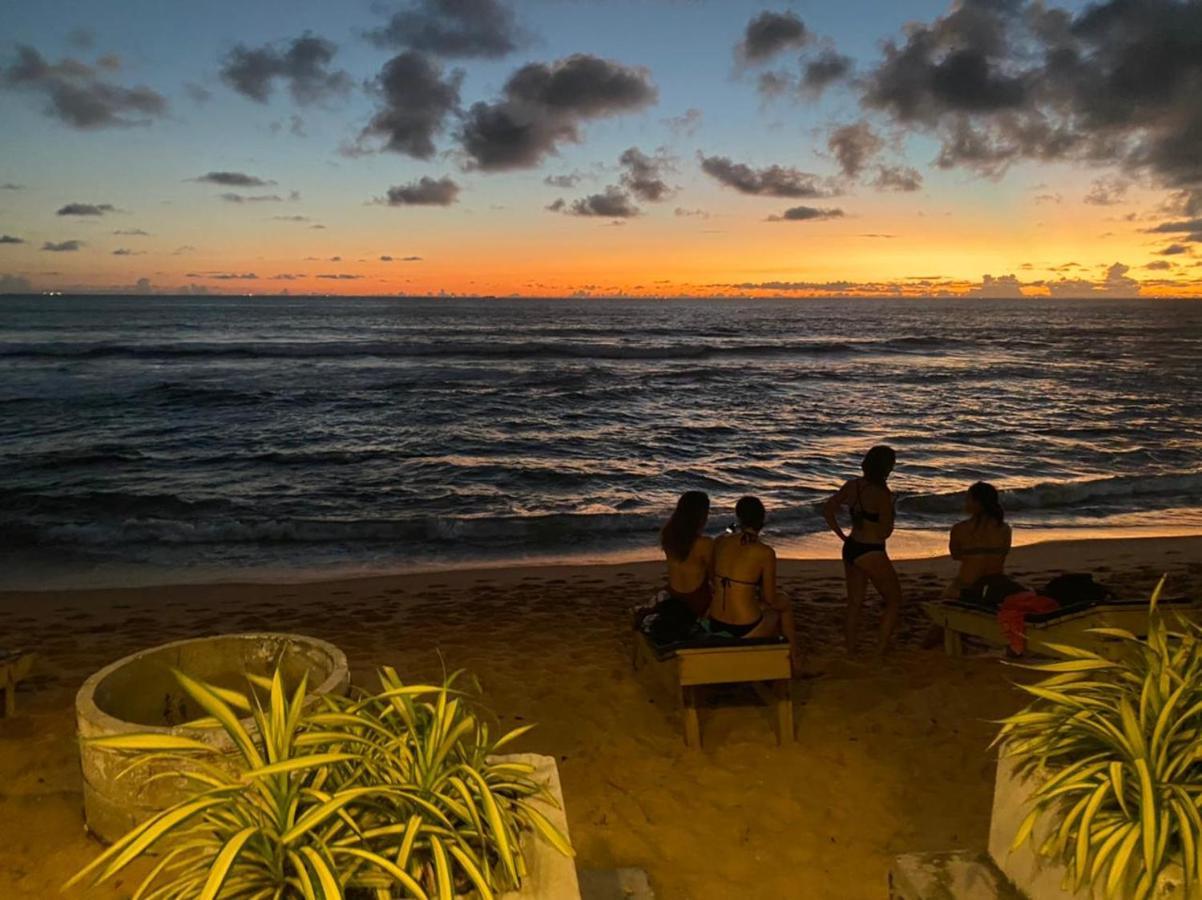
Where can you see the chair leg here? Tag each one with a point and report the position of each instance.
(692, 725)
(784, 712)
(953, 642)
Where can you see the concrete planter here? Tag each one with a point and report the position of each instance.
(552, 876)
(1039, 878)
(139, 694)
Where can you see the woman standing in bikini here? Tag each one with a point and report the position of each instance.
(746, 603)
(870, 503)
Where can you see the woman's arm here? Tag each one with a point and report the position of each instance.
(953, 542)
(783, 607)
(830, 511)
(888, 514)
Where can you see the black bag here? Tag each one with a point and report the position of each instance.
(670, 622)
(1076, 588)
(989, 591)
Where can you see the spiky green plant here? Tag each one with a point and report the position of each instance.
(1115, 747)
(394, 794)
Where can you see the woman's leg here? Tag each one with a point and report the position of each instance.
(879, 570)
(857, 588)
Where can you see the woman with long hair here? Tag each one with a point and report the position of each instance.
(979, 543)
(689, 552)
(746, 602)
(870, 504)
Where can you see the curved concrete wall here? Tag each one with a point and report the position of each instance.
(139, 694)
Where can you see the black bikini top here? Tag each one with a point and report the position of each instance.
(859, 515)
(726, 581)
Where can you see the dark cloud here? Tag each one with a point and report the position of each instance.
(225, 276)
(1114, 83)
(15, 284)
(197, 93)
(303, 63)
(897, 178)
(9, 239)
(1001, 287)
(563, 181)
(1159, 265)
(233, 179)
(771, 181)
(545, 104)
(768, 33)
(86, 209)
(122, 251)
(411, 259)
(1115, 284)
(425, 191)
(290, 218)
(1173, 250)
(643, 174)
(806, 214)
(251, 198)
(78, 96)
(1173, 227)
(612, 203)
(296, 126)
(854, 146)
(415, 100)
(81, 38)
(682, 212)
(335, 259)
(686, 124)
(452, 28)
(1107, 191)
(131, 232)
(9, 186)
(62, 246)
(827, 68)
(341, 276)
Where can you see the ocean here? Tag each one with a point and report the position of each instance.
(185, 438)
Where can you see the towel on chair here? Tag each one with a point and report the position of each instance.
(1012, 616)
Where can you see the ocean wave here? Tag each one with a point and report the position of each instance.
(1118, 490)
(176, 392)
(503, 531)
(484, 350)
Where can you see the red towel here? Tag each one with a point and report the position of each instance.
(1012, 616)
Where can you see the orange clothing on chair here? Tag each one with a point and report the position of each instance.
(1012, 616)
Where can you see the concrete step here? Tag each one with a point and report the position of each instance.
(614, 884)
(955, 875)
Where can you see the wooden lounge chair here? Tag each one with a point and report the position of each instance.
(686, 667)
(15, 667)
(1067, 625)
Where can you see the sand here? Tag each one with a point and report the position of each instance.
(889, 758)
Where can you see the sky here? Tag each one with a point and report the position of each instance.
(995, 148)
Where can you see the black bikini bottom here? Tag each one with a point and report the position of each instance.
(853, 550)
(716, 626)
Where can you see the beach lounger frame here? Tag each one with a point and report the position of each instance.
(15, 667)
(1067, 625)
(688, 667)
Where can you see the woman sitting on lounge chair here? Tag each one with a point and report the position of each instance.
(746, 603)
(980, 543)
(689, 552)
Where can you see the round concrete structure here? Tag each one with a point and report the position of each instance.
(140, 694)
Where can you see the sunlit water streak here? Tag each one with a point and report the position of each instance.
(222, 434)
